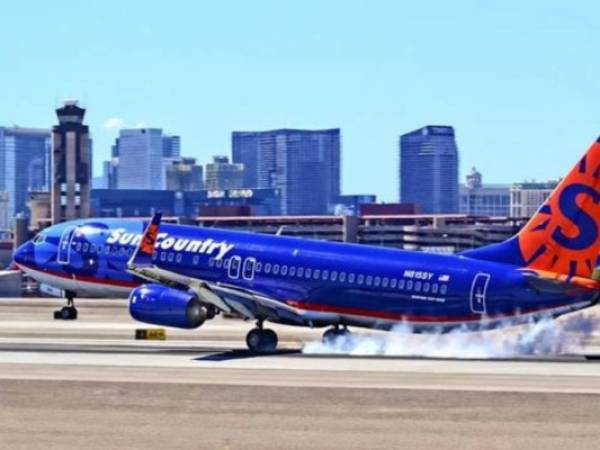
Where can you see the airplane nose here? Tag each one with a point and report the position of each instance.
(24, 253)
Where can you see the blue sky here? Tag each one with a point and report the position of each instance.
(520, 81)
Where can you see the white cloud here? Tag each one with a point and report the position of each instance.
(141, 125)
(114, 124)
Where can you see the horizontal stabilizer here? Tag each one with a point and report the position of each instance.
(557, 283)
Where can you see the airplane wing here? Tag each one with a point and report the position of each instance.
(227, 298)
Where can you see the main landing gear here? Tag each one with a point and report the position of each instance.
(68, 312)
(333, 334)
(260, 339)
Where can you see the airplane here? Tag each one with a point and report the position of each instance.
(181, 276)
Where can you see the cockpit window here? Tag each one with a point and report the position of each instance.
(40, 238)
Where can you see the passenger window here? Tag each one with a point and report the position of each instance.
(163, 256)
(154, 256)
(292, 271)
(418, 286)
(377, 281)
(85, 247)
(393, 283)
(369, 280)
(219, 263)
(300, 271)
(443, 289)
(211, 262)
(426, 287)
(434, 288)
(195, 260)
(351, 278)
(178, 258)
(275, 269)
(325, 275)
(316, 274)
(268, 268)
(385, 282)
(308, 272)
(342, 277)
(334, 276)
(360, 279)
(258, 267)
(284, 271)
(409, 285)
(78, 246)
(170, 257)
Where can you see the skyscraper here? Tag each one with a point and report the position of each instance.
(429, 169)
(221, 174)
(24, 167)
(71, 164)
(304, 165)
(141, 159)
(171, 146)
(184, 175)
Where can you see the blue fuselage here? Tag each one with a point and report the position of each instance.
(325, 282)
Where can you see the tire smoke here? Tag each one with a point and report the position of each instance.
(568, 335)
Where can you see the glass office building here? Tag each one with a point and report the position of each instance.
(141, 159)
(429, 169)
(24, 167)
(304, 165)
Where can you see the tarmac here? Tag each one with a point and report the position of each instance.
(89, 384)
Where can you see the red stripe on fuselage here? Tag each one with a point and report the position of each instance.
(398, 317)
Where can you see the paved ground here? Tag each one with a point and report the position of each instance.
(88, 384)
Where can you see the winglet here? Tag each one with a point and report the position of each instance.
(142, 257)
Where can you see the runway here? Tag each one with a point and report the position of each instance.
(89, 383)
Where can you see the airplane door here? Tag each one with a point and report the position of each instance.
(479, 292)
(234, 267)
(249, 267)
(64, 246)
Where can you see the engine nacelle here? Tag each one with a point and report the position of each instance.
(160, 305)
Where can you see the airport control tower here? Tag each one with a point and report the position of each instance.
(71, 164)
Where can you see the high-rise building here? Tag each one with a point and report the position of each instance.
(478, 199)
(245, 150)
(429, 169)
(526, 198)
(304, 165)
(140, 158)
(171, 146)
(221, 174)
(24, 167)
(184, 175)
(71, 164)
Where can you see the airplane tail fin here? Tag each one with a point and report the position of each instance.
(142, 256)
(563, 237)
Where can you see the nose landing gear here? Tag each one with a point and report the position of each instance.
(260, 339)
(68, 312)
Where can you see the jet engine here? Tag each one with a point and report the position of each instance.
(161, 305)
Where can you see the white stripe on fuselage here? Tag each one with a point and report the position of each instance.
(164, 241)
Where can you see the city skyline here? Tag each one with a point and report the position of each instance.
(514, 80)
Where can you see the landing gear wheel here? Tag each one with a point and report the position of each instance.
(68, 312)
(333, 334)
(261, 340)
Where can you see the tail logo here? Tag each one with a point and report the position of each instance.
(580, 220)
